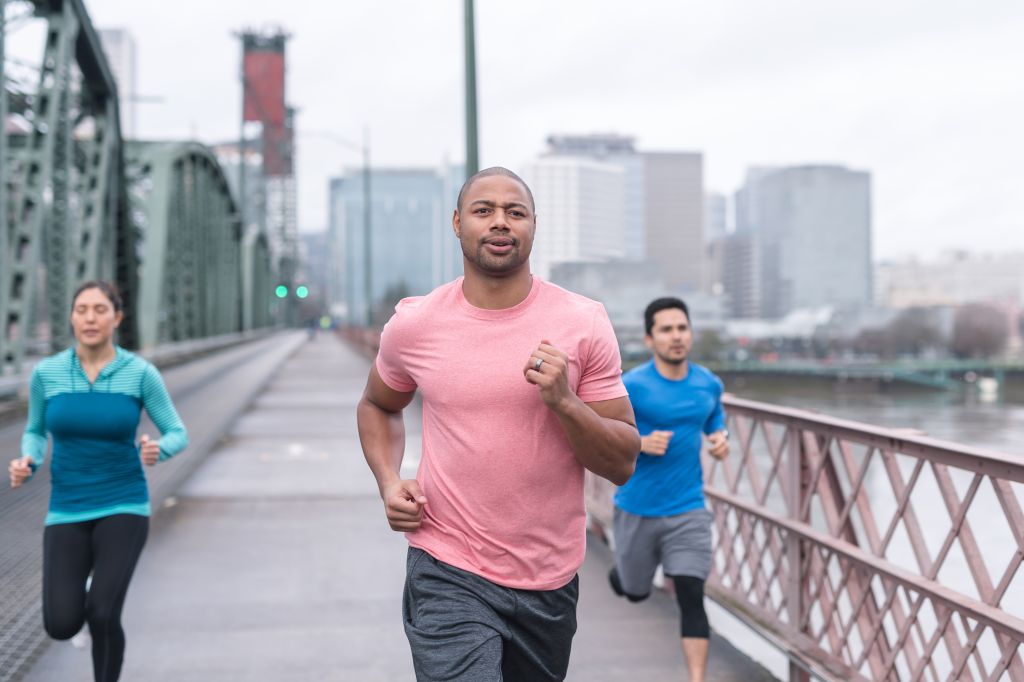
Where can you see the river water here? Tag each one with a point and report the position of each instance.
(959, 416)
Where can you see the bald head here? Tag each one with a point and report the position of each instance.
(487, 172)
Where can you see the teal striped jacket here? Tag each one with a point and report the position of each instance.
(96, 470)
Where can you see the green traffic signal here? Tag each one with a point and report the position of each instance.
(281, 291)
(301, 291)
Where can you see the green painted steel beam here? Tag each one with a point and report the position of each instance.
(69, 211)
(34, 210)
(192, 247)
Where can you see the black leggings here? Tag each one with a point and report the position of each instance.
(109, 548)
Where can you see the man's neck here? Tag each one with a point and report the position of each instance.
(496, 293)
(670, 370)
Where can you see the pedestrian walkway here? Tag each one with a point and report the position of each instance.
(275, 562)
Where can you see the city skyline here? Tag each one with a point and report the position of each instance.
(924, 96)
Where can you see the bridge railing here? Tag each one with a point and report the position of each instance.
(865, 552)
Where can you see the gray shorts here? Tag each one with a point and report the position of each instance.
(463, 627)
(681, 544)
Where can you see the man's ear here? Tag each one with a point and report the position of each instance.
(456, 224)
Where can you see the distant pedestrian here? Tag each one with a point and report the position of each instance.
(522, 390)
(660, 516)
(89, 398)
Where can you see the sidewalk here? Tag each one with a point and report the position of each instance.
(276, 562)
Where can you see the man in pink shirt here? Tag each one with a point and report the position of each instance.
(522, 390)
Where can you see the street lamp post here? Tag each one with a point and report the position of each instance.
(472, 154)
(364, 149)
(367, 233)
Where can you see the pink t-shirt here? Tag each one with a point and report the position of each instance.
(504, 491)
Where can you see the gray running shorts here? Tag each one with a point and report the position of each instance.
(463, 627)
(681, 544)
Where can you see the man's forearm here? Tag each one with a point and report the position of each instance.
(608, 447)
(382, 436)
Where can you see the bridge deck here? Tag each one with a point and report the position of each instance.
(275, 562)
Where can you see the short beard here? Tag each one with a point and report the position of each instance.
(672, 361)
(486, 263)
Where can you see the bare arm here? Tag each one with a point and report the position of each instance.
(382, 436)
(602, 434)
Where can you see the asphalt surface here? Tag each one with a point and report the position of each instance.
(273, 560)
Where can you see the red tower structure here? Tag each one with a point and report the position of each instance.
(263, 74)
(263, 102)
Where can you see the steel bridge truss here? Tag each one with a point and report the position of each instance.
(66, 221)
(157, 218)
(191, 277)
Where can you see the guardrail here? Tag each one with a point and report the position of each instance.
(865, 552)
(163, 355)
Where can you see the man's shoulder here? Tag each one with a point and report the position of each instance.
(579, 311)
(420, 307)
(706, 375)
(575, 301)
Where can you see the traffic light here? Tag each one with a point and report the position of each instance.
(281, 291)
(302, 291)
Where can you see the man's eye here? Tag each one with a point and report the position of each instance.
(517, 214)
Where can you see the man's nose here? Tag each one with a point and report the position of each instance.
(499, 220)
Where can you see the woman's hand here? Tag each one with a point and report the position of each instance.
(149, 450)
(20, 471)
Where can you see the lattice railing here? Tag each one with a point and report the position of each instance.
(866, 553)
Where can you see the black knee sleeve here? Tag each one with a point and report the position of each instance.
(693, 617)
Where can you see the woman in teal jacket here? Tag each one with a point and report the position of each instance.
(89, 398)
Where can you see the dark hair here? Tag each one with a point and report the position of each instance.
(487, 172)
(659, 304)
(109, 290)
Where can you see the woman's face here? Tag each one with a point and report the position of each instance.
(94, 319)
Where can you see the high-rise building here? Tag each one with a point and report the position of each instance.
(119, 46)
(617, 150)
(580, 210)
(741, 274)
(811, 228)
(674, 218)
(716, 232)
(716, 214)
(662, 219)
(412, 246)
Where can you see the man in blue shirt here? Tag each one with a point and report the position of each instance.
(660, 517)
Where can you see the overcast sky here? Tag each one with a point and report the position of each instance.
(928, 95)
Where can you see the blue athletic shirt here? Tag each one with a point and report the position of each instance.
(96, 470)
(672, 483)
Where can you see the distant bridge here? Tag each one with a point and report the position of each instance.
(944, 374)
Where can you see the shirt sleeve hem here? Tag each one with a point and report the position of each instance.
(391, 382)
(598, 396)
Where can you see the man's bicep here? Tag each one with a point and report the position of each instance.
(383, 396)
(619, 409)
